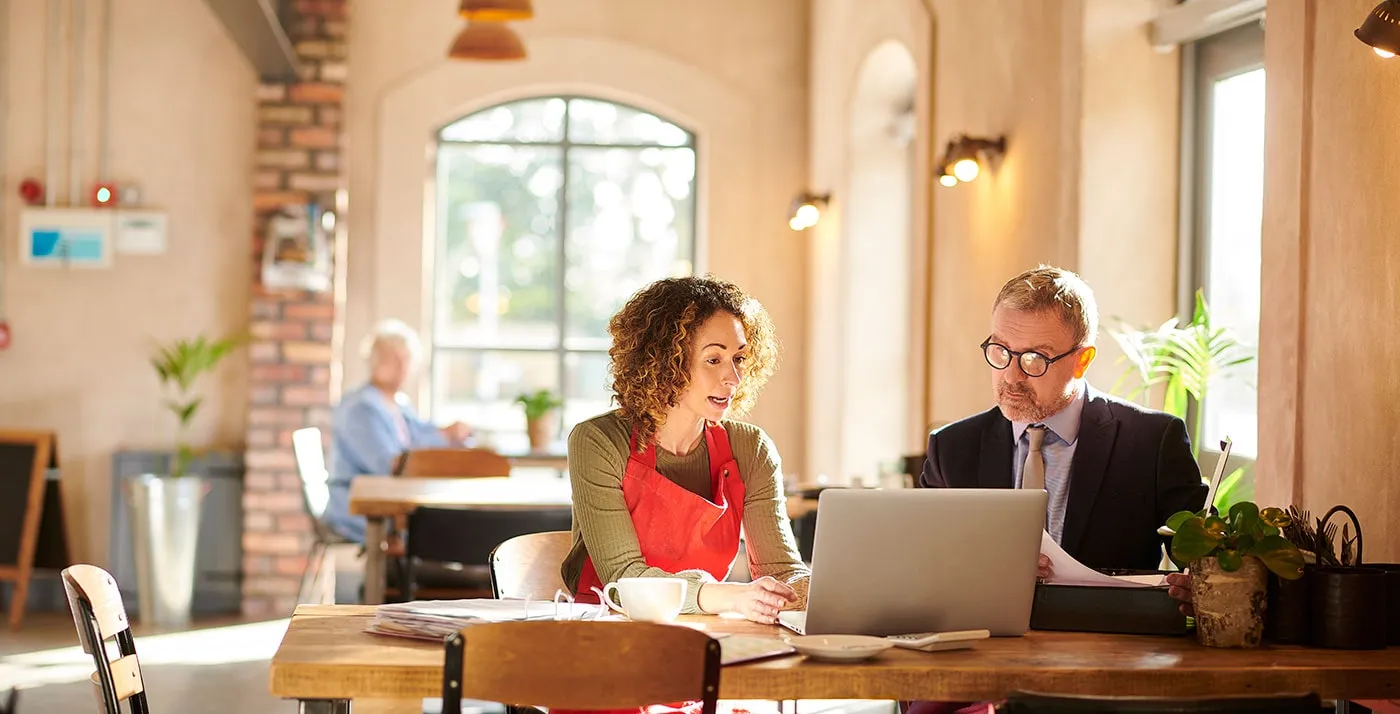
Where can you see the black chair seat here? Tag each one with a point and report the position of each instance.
(1025, 703)
(457, 543)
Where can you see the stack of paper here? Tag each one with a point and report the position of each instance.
(1065, 570)
(436, 619)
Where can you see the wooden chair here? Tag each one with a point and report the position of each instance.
(528, 565)
(99, 615)
(1025, 703)
(557, 665)
(452, 463)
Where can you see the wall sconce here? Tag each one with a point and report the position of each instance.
(806, 210)
(1381, 29)
(964, 156)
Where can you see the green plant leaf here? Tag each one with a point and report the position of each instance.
(1232, 489)
(1193, 540)
(1176, 519)
(1276, 517)
(1242, 513)
(1280, 556)
(1230, 560)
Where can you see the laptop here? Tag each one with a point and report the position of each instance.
(904, 561)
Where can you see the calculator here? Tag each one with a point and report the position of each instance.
(939, 641)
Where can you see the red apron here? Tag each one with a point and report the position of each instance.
(676, 529)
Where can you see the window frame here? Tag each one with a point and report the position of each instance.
(564, 144)
(1205, 61)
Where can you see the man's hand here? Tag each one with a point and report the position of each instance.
(456, 432)
(758, 601)
(1180, 589)
(1043, 569)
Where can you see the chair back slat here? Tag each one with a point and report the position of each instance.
(311, 466)
(100, 589)
(1034, 703)
(452, 463)
(126, 678)
(559, 665)
(528, 565)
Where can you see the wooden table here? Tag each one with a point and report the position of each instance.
(326, 659)
(381, 498)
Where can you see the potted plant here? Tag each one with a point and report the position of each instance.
(1229, 559)
(540, 411)
(165, 508)
(1183, 359)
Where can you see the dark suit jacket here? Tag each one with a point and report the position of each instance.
(1132, 469)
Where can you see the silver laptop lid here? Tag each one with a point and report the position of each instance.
(902, 561)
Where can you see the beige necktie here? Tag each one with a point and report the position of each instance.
(1033, 473)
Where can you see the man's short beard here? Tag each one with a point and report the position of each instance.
(1032, 411)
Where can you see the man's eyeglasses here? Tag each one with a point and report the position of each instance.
(1034, 364)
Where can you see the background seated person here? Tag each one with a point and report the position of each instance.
(663, 484)
(374, 423)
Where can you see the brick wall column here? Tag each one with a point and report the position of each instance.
(298, 160)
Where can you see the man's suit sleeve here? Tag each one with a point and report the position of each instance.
(1179, 486)
(933, 473)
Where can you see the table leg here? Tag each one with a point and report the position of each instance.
(374, 561)
(323, 706)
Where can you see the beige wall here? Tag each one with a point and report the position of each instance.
(733, 70)
(182, 123)
(1089, 182)
(1129, 168)
(845, 34)
(1327, 425)
(1004, 67)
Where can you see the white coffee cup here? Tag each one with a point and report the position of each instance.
(647, 599)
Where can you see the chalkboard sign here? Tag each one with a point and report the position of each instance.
(29, 506)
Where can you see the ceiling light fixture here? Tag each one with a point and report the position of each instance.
(1381, 29)
(489, 41)
(496, 10)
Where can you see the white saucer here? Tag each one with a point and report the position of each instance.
(840, 648)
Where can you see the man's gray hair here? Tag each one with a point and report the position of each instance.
(1058, 290)
(390, 333)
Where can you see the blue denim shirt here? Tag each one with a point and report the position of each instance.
(365, 440)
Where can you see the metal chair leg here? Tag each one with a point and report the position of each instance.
(312, 570)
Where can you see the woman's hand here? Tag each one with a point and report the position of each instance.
(1043, 569)
(758, 601)
(1180, 589)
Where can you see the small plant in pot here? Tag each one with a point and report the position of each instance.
(540, 410)
(1229, 559)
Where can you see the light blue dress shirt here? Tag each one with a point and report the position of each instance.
(366, 439)
(1061, 438)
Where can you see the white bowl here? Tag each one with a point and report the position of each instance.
(840, 648)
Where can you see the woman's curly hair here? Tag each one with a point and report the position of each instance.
(651, 347)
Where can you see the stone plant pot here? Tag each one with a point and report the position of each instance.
(541, 430)
(1229, 606)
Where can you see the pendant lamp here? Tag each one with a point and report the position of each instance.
(496, 10)
(487, 41)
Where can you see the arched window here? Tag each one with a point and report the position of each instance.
(551, 212)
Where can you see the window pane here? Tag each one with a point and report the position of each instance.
(586, 392)
(532, 120)
(498, 256)
(480, 387)
(595, 122)
(1232, 283)
(631, 220)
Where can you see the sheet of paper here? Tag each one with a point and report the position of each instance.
(1068, 571)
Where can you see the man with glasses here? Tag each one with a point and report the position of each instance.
(1114, 470)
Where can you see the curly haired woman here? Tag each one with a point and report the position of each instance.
(663, 484)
